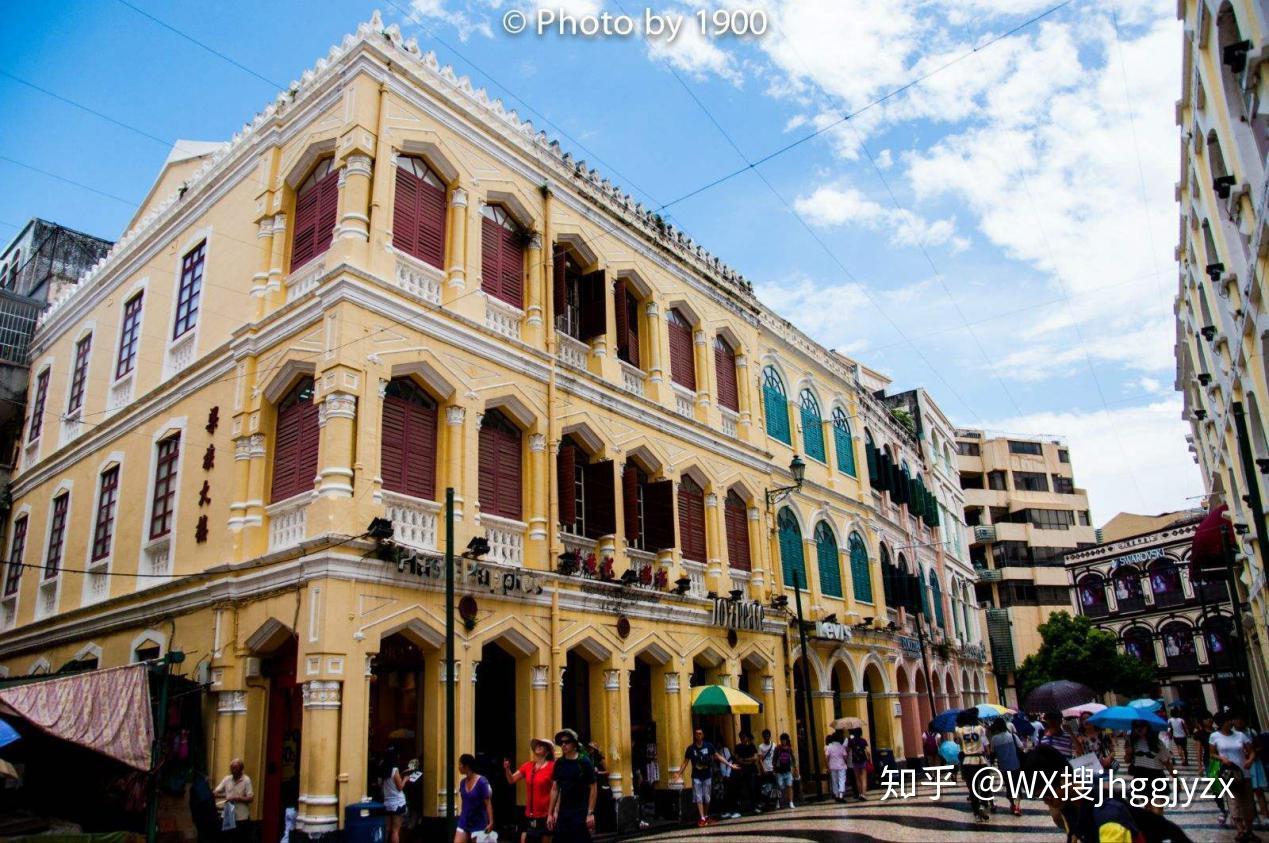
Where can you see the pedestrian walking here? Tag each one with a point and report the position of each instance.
(1096, 742)
(537, 774)
(860, 761)
(971, 737)
(700, 755)
(393, 785)
(1180, 735)
(573, 793)
(476, 799)
(835, 755)
(746, 756)
(726, 785)
(1055, 734)
(785, 764)
(1147, 757)
(235, 790)
(1005, 750)
(1235, 752)
(930, 745)
(766, 769)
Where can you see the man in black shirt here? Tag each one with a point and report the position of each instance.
(702, 755)
(746, 784)
(573, 792)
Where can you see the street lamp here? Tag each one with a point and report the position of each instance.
(798, 469)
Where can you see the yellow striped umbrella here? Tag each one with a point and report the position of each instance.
(720, 699)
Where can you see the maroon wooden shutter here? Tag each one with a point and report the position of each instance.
(431, 224)
(601, 502)
(392, 445)
(327, 211)
(559, 282)
(491, 257)
(658, 514)
(736, 519)
(316, 209)
(623, 326)
(630, 501)
(488, 467)
(500, 467)
(566, 473)
(512, 266)
(594, 298)
(302, 238)
(408, 442)
(510, 487)
(692, 520)
(405, 211)
(682, 360)
(631, 304)
(295, 443)
(725, 366)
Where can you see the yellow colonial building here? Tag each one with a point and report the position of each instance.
(387, 285)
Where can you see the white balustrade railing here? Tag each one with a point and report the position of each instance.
(158, 556)
(96, 583)
(304, 280)
(580, 545)
(632, 379)
(506, 539)
(684, 403)
(695, 572)
(413, 520)
(419, 279)
(47, 604)
(729, 423)
(641, 560)
(573, 352)
(179, 355)
(120, 394)
(71, 428)
(288, 521)
(740, 582)
(9, 612)
(503, 318)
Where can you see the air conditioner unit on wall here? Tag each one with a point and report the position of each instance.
(253, 667)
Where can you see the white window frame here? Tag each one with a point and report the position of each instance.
(102, 567)
(163, 431)
(173, 346)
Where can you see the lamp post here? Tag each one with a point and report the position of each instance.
(798, 469)
(450, 679)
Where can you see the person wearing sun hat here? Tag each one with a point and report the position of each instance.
(573, 792)
(538, 775)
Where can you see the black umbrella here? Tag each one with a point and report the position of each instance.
(1055, 696)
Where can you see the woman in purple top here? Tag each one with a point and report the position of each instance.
(477, 799)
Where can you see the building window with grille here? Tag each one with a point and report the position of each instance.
(1029, 448)
(17, 550)
(775, 404)
(580, 298)
(191, 291)
(860, 577)
(104, 527)
(682, 355)
(692, 520)
(56, 536)
(792, 561)
(633, 482)
(79, 376)
(968, 449)
(163, 502)
(1063, 485)
(316, 206)
(501, 256)
(129, 336)
(295, 442)
(418, 212)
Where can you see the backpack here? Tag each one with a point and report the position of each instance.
(783, 759)
(858, 752)
(931, 744)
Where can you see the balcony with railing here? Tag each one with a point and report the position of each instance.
(632, 379)
(572, 352)
(506, 539)
(180, 353)
(503, 318)
(303, 280)
(71, 427)
(413, 520)
(684, 401)
(695, 573)
(418, 278)
(120, 394)
(288, 521)
(157, 556)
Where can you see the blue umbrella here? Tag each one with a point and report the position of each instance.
(1145, 704)
(8, 734)
(950, 751)
(946, 721)
(1121, 718)
(1022, 726)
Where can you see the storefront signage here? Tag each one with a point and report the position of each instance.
(833, 631)
(1139, 556)
(910, 646)
(975, 652)
(472, 575)
(733, 614)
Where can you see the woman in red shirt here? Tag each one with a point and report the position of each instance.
(537, 777)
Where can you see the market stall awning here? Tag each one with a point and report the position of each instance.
(1207, 551)
(103, 710)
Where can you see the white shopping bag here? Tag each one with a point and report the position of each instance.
(228, 819)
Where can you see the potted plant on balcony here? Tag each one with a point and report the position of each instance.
(942, 650)
(605, 569)
(645, 575)
(567, 563)
(589, 565)
(661, 580)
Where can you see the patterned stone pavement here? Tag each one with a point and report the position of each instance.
(947, 820)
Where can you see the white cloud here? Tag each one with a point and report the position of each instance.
(831, 206)
(463, 23)
(1130, 459)
(692, 52)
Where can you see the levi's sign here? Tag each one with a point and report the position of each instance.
(833, 631)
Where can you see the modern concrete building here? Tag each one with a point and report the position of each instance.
(1223, 257)
(389, 285)
(1023, 512)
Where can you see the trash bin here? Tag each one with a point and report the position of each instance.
(363, 822)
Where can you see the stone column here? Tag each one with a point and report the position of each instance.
(652, 340)
(759, 579)
(456, 253)
(824, 715)
(715, 580)
(911, 723)
(770, 718)
(538, 518)
(231, 731)
(744, 419)
(674, 734)
(704, 374)
(254, 536)
(260, 281)
(436, 762)
(354, 221)
(337, 417)
(318, 811)
(535, 294)
(540, 682)
(242, 482)
(274, 295)
(618, 737)
(455, 442)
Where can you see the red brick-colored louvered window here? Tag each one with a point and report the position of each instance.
(501, 483)
(295, 442)
(692, 519)
(408, 440)
(501, 256)
(316, 206)
(682, 358)
(725, 367)
(736, 521)
(418, 216)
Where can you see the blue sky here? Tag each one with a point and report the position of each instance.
(1000, 233)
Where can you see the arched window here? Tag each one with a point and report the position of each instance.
(736, 520)
(860, 578)
(500, 467)
(1092, 591)
(408, 442)
(812, 426)
(587, 492)
(682, 355)
(316, 206)
(1139, 643)
(775, 404)
(1216, 636)
(692, 519)
(936, 597)
(887, 577)
(1165, 582)
(843, 444)
(295, 442)
(919, 582)
(725, 372)
(418, 214)
(792, 561)
(829, 560)
(1128, 593)
(501, 256)
(1178, 645)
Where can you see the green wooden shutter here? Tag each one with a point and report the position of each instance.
(937, 595)
(860, 580)
(791, 558)
(776, 406)
(812, 428)
(843, 444)
(829, 561)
